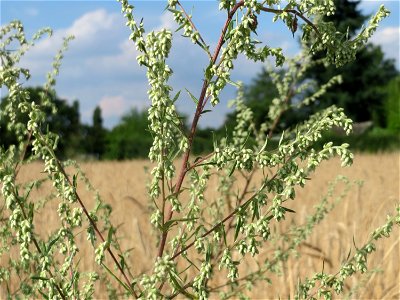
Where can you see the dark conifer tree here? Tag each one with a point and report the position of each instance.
(361, 93)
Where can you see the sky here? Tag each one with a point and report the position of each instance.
(100, 67)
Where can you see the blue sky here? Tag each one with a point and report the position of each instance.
(100, 67)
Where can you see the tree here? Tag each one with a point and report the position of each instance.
(392, 106)
(65, 122)
(360, 94)
(130, 138)
(96, 135)
(259, 96)
(347, 16)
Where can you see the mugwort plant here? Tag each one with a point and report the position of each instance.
(198, 238)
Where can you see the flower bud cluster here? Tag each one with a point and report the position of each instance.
(164, 266)
(252, 243)
(163, 117)
(244, 120)
(184, 22)
(226, 4)
(18, 35)
(164, 269)
(17, 220)
(88, 288)
(99, 252)
(150, 290)
(240, 41)
(197, 188)
(321, 91)
(242, 159)
(227, 262)
(357, 263)
(315, 7)
(340, 50)
(199, 282)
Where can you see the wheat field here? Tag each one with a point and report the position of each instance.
(364, 208)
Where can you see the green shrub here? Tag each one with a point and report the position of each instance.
(393, 105)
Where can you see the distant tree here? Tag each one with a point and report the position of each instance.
(66, 123)
(258, 96)
(347, 16)
(392, 105)
(96, 135)
(130, 138)
(360, 94)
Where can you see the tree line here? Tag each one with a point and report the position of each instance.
(370, 92)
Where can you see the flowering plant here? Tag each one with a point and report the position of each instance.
(198, 237)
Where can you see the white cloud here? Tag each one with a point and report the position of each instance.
(167, 21)
(31, 11)
(113, 106)
(389, 39)
(93, 28)
(90, 25)
(100, 68)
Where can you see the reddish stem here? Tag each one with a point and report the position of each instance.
(199, 109)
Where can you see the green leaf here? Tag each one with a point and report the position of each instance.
(235, 84)
(174, 10)
(207, 73)
(39, 278)
(191, 264)
(195, 100)
(117, 279)
(246, 204)
(354, 243)
(176, 97)
(288, 209)
(214, 140)
(205, 47)
(229, 29)
(256, 211)
(122, 262)
(224, 233)
(31, 210)
(74, 180)
(348, 255)
(43, 294)
(51, 243)
(92, 235)
(281, 139)
(205, 111)
(109, 236)
(28, 191)
(237, 228)
(232, 170)
(175, 279)
(170, 223)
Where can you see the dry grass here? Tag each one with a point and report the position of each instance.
(123, 185)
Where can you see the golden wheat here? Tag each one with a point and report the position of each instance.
(123, 186)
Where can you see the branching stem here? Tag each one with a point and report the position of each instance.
(200, 107)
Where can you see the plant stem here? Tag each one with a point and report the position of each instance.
(200, 107)
(38, 248)
(91, 221)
